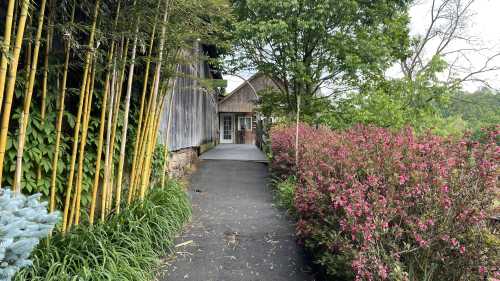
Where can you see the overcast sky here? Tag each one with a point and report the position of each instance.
(484, 24)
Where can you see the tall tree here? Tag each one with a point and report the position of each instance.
(316, 48)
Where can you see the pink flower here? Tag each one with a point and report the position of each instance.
(403, 179)
(482, 270)
(462, 249)
(382, 271)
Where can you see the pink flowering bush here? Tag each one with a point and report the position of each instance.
(374, 204)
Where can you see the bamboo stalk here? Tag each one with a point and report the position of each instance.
(102, 125)
(28, 49)
(141, 112)
(77, 193)
(11, 84)
(82, 146)
(167, 138)
(105, 192)
(156, 85)
(60, 113)
(145, 136)
(45, 78)
(23, 124)
(77, 125)
(154, 135)
(125, 121)
(116, 110)
(5, 49)
(110, 91)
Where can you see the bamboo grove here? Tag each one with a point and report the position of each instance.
(83, 85)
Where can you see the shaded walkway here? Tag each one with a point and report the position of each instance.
(236, 233)
(239, 152)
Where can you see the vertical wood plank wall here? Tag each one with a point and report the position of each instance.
(194, 116)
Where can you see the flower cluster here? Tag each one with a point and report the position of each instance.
(393, 205)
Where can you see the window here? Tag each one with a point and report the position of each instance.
(228, 127)
(245, 123)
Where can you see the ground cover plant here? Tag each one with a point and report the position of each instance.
(127, 247)
(374, 204)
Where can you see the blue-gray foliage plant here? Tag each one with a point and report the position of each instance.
(24, 220)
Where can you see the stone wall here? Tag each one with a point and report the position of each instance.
(181, 161)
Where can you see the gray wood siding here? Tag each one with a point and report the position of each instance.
(194, 111)
(243, 98)
(243, 101)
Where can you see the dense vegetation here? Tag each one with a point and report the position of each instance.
(373, 204)
(334, 56)
(306, 46)
(83, 85)
(128, 247)
(477, 110)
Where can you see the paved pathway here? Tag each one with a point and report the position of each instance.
(236, 233)
(239, 152)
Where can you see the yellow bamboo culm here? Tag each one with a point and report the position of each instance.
(125, 121)
(49, 35)
(110, 137)
(79, 114)
(110, 86)
(144, 180)
(167, 137)
(90, 92)
(60, 114)
(5, 50)
(141, 113)
(11, 83)
(106, 183)
(23, 124)
(145, 139)
(72, 214)
(154, 135)
(102, 123)
(116, 111)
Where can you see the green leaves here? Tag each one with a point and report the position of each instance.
(127, 247)
(309, 45)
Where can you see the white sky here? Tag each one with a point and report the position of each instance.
(484, 24)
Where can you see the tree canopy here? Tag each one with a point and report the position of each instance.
(317, 49)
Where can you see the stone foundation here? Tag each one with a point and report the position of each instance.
(181, 161)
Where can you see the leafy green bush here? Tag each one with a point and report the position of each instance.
(285, 193)
(127, 247)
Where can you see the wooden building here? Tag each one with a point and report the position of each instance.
(237, 111)
(189, 123)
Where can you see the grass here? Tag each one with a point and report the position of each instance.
(127, 247)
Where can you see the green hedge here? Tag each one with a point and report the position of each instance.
(128, 247)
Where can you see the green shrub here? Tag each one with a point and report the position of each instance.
(127, 247)
(285, 193)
